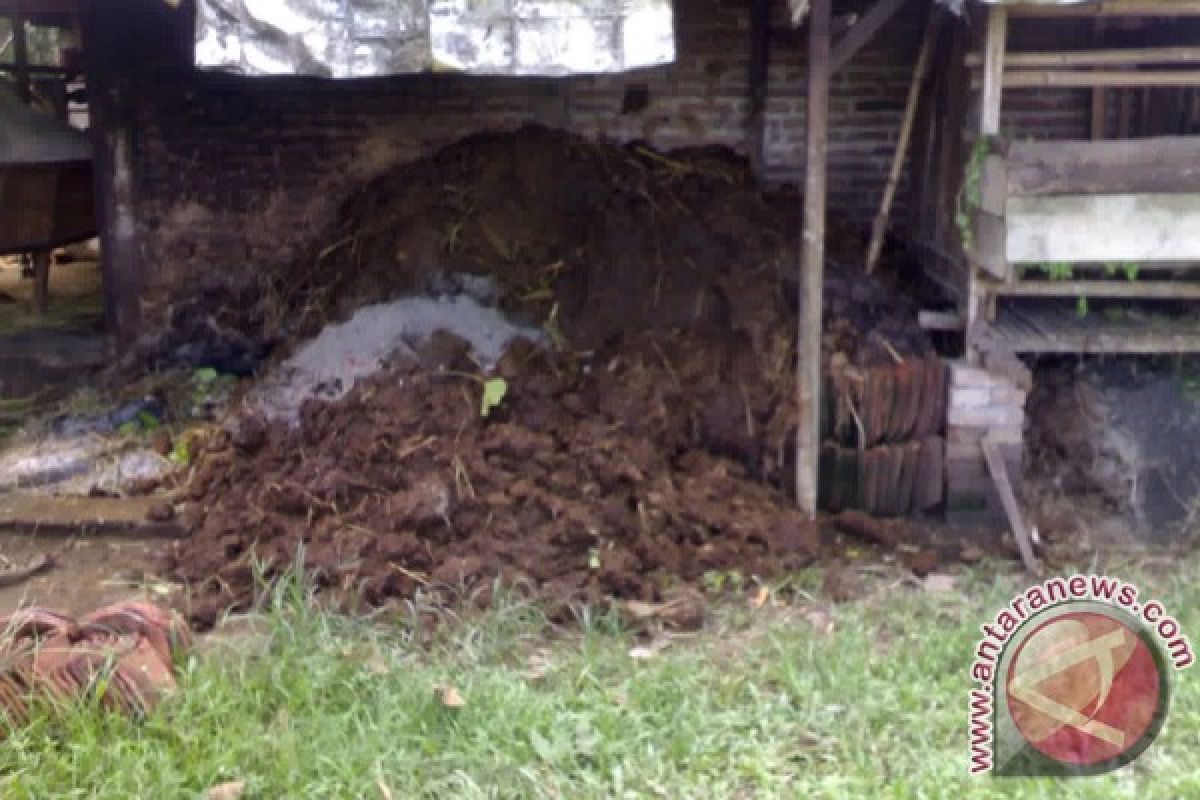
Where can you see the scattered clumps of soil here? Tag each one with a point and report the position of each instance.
(652, 446)
(585, 485)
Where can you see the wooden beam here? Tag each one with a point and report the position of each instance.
(812, 265)
(20, 54)
(35, 70)
(866, 28)
(1081, 79)
(879, 227)
(1159, 165)
(115, 192)
(760, 54)
(37, 8)
(1097, 58)
(1063, 331)
(1099, 121)
(41, 281)
(1103, 228)
(942, 321)
(1147, 290)
(993, 69)
(1111, 8)
(999, 472)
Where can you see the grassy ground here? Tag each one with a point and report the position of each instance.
(76, 299)
(794, 699)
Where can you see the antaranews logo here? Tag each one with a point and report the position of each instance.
(1072, 678)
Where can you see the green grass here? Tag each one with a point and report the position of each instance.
(69, 313)
(763, 703)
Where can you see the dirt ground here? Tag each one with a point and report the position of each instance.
(86, 573)
(75, 296)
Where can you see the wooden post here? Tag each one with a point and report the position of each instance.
(760, 51)
(1099, 94)
(879, 228)
(41, 281)
(812, 266)
(20, 54)
(108, 66)
(993, 69)
(1008, 498)
(862, 32)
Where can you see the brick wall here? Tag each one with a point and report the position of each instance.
(701, 99)
(234, 173)
(238, 172)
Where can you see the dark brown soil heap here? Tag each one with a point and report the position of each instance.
(610, 239)
(585, 485)
(644, 452)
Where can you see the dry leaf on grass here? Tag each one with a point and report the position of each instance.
(971, 554)
(643, 652)
(451, 697)
(820, 619)
(683, 610)
(540, 663)
(230, 790)
(939, 582)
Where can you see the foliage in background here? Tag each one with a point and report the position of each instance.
(970, 195)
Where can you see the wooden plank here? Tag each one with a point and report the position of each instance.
(993, 69)
(760, 44)
(870, 24)
(1103, 228)
(1151, 290)
(944, 321)
(64, 515)
(1063, 332)
(1082, 79)
(1043, 180)
(1099, 121)
(1164, 164)
(1109, 8)
(812, 277)
(41, 281)
(879, 227)
(1096, 58)
(20, 53)
(999, 472)
(993, 185)
(10, 8)
(990, 248)
(35, 70)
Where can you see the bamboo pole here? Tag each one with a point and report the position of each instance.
(879, 228)
(812, 267)
(1080, 79)
(1097, 58)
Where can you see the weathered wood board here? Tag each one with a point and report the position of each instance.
(1163, 165)
(1103, 228)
